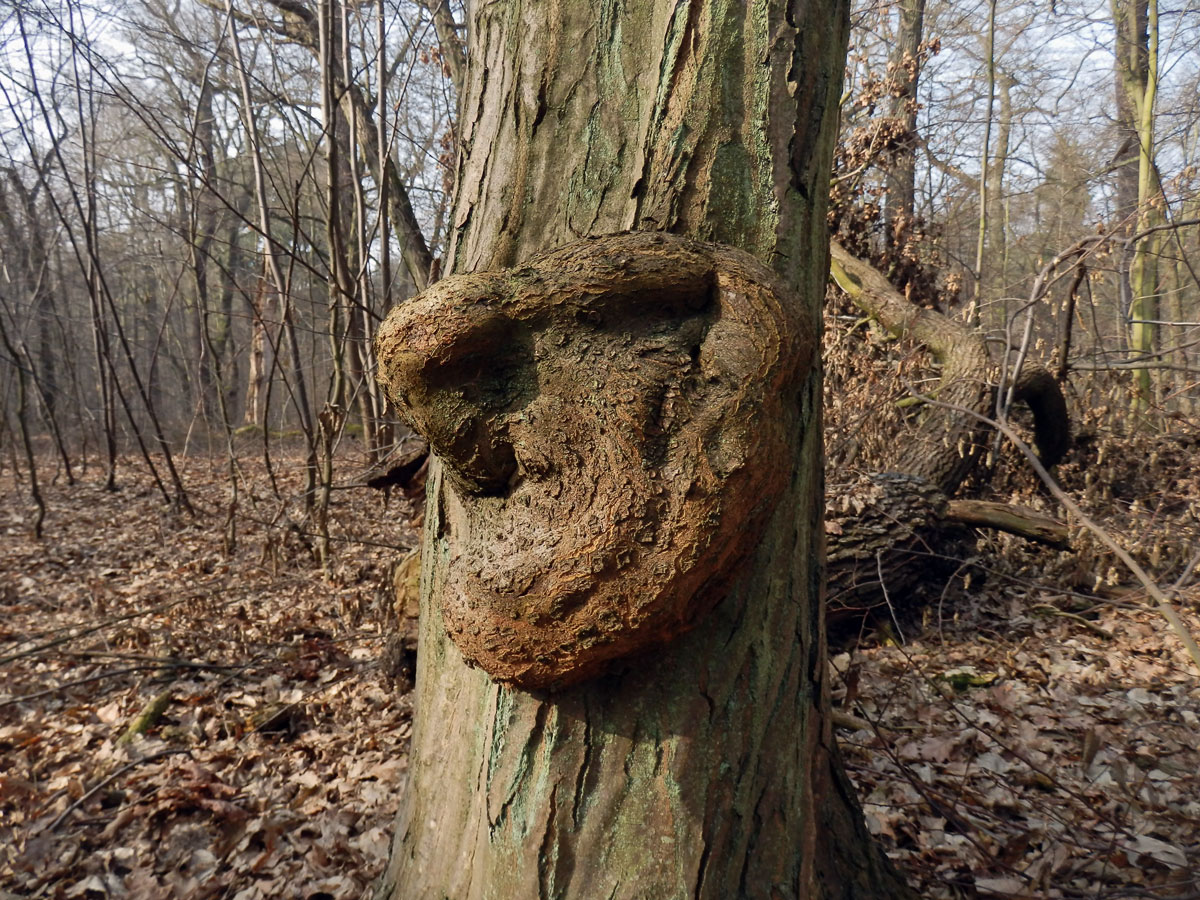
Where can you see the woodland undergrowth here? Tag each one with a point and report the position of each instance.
(273, 764)
(1028, 726)
(181, 721)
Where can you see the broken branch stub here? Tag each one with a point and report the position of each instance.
(615, 420)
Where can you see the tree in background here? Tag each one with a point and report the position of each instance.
(1139, 196)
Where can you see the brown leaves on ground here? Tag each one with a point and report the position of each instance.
(1035, 742)
(274, 767)
(1041, 738)
(1029, 756)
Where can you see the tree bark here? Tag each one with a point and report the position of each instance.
(1136, 24)
(947, 446)
(706, 769)
(905, 57)
(891, 532)
(994, 272)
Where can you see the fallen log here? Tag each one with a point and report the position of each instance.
(890, 533)
(966, 389)
(1013, 519)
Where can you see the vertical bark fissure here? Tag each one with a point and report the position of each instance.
(547, 849)
(715, 121)
(581, 773)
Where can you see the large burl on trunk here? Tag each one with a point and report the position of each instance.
(624, 513)
(611, 417)
(622, 541)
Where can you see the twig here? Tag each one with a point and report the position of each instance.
(843, 719)
(886, 598)
(147, 718)
(151, 663)
(110, 779)
(164, 662)
(1011, 748)
(1004, 517)
(943, 806)
(116, 620)
(1164, 605)
(36, 695)
(1186, 573)
(1104, 633)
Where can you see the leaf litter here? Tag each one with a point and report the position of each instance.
(1041, 738)
(1034, 742)
(271, 755)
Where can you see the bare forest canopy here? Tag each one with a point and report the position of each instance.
(209, 207)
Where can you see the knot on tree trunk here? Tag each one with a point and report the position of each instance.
(614, 423)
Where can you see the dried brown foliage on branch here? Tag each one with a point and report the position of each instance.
(901, 244)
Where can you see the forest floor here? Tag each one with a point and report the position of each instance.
(1031, 742)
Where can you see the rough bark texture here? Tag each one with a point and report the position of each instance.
(882, 531)
(610, 417)
(704, 769)
(947, 447)
(890, 532)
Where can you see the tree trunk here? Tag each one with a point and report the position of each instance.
(1130, 23)
(995, 259)
(976, 306)
(705, 769)
(261, 354)
(890, 533)
(947, 446)
(892, 530)
(202, 214)
(949, 443)
(905, 57)
(1136, 24)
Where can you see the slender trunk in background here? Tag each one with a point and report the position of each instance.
(222, 336)
(274, 279)
(363, 390)
(30, 271)
(202, 224)
(303, 25)
(905, 61)
(35, 492)
(259, 357)
(1136, 23)
(975, 308)
(994, 274)
(340, 284)
(1129, 23)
